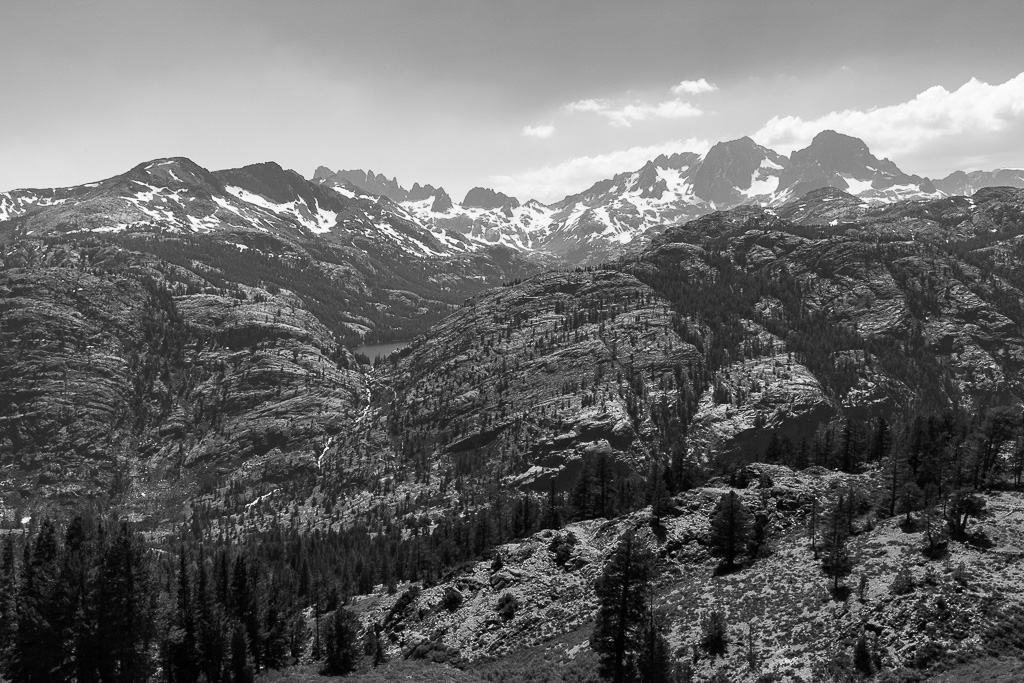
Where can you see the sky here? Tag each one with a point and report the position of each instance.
(536, 98)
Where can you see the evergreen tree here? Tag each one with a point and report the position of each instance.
(812, 525)
(963, 505)
(582, 495)
(655, 663)
(341, 643)
(657, 492)
(211, 626)
(38, 648)
(8, 604)
(240, 670)
(731, 526)
(881, 441)
(183, 637)
(125, 595)
(622, 592)
(837, 560)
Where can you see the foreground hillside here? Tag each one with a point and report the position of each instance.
(919, 614)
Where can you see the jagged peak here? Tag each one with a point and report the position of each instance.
(486, 198)
(322, 173)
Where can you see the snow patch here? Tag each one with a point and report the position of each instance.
(761, 186)
(857, 187)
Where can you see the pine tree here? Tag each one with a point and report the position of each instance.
(210, 626)
(812, 525)
(837, 560)
(731, 527)
(183, 640)
(38, 647)
(655, 662)
(963, 505)
(881, 441)
(657, 492)
(622, 591)
(582, 493)
(240, 667)
(125, 597)
(341, 643)
(8, 604)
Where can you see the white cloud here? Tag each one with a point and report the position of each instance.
(542, 131)
(631, 113)
(587, 105)
(697, 87)
(626, 114)
(551, 183)
(932, 119)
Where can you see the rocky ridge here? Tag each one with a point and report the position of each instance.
(621, 214)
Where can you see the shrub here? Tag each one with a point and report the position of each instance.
(714, 633)
(507, 606)
(452, 599)
(562, 546)
(928, 654)
(960, 574)
(435, 652)
(903, 583)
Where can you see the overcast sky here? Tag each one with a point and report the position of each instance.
(536, 98)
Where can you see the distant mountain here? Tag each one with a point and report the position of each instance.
(359, 260)
(966, 184)
(376, 184)
(484, 218)
(627, 210)
(347, 207)
(732, 173)
(845, 163)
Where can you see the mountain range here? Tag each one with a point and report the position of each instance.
(358, 209)
(176, 348)
(623, 210)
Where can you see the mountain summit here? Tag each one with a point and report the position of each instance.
(845, 163)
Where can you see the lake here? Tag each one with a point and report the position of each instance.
(371, 351)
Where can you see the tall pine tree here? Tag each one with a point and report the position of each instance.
(731, 527)
(622, 594)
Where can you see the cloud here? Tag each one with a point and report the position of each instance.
(936, 118)
(542, 131)
(553, 182)
(625, 115)
(697, 87)
(631, 113)
(588, 105)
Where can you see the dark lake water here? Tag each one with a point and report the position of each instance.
(371, 351)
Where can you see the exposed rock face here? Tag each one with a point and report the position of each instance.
(824, 206)
(442, 202)
(122, 371)
(729, 168)
(533, 378)
(753, 328)
(768, 397)
(486, 198)
(941, 293)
